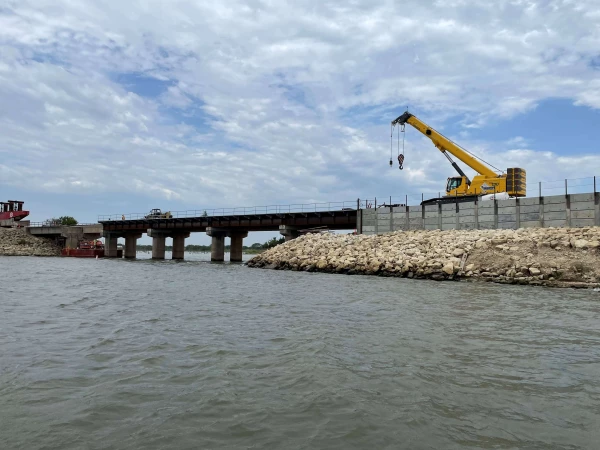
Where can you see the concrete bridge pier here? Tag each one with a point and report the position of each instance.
(288, 232)
(110, 244)
(237, 243)
(217, 245)
(158, 243)
(131, 244)
(179, 245)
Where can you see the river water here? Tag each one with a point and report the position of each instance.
(107, 354)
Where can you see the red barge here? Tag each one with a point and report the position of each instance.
(85, 249)
(11, 213)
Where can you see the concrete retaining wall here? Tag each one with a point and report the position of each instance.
(574, 210)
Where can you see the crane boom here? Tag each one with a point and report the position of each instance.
(444, 144)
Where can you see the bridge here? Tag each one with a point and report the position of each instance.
(235, 223)
(68, 236)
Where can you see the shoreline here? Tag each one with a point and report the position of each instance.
(554, 257)
(16, 242)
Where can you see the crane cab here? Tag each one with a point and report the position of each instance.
(457, 186)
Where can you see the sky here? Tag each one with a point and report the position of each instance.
(111, 107)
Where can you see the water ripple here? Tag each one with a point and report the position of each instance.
(163, 355)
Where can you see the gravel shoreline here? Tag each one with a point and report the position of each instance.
(16, 242)
(560, 257)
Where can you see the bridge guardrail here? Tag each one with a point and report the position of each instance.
(56, 224)
(243, 211)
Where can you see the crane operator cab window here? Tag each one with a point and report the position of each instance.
(453, 183)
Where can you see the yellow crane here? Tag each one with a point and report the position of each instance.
(461, 188)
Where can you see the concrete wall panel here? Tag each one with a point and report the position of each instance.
(505, 203)
(558, 215)
(582, 222)
(466, 206)
(555, 223)
(529, 201)
(507, 225)
(530, 208)
(486, 225)
(507, 210)
(527, 217)
(554, 199)
(582, 206)
(582, 215)
(554, 207)
(449, 226)
(582, 197)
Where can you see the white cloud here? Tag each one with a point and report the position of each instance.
(277, 101)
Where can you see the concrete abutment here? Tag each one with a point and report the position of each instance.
(288, 232)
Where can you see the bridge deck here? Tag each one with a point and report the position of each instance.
(333, 220)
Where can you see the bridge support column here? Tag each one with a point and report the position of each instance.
(288, 232)
(131, 244)
(179, 245)
(110, 245)
(237, 244)
(217, 245)
(158, 243)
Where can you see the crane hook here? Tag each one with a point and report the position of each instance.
(400, 161)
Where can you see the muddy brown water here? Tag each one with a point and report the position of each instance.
(106, 354)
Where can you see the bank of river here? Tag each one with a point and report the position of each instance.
(16, 242)
(119, 354)
(562, 257)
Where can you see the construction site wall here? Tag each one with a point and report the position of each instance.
(572, 210)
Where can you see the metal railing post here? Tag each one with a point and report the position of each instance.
(540, 189)
(566, 187)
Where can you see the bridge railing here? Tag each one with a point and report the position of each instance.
(242, 211)
(57, 224)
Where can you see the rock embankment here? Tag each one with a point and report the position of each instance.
(16, 242)
(536, 256)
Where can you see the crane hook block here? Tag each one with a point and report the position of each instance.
(400, 161)
(391, 163)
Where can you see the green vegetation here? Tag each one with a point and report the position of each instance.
(253, 249)
(63, 220)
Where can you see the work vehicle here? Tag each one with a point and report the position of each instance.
(461, 188)
(156, 213)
